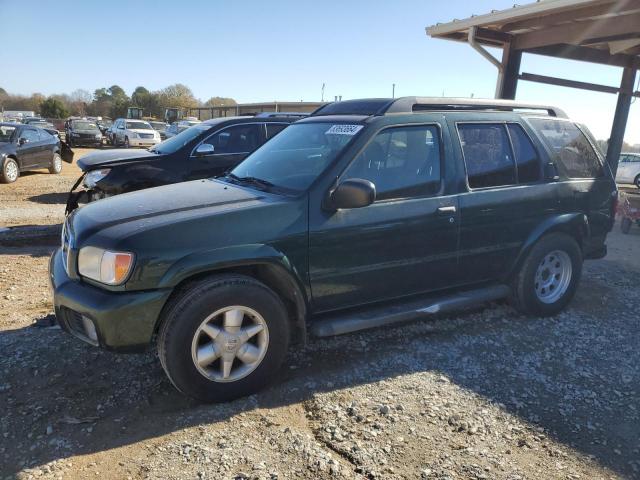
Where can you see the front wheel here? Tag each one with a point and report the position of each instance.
(637, 181)
(56, 164)
(126, 142)
(10, 171)
(223, 338)
(548, 277)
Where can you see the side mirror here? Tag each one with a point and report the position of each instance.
(204, 149)
(352, 193)
(22, 141)
(551, 172)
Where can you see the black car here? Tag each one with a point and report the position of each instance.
(24, 147)
(365, 214)
(204, 150)
(82, 133)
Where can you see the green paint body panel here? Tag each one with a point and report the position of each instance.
(336, 259)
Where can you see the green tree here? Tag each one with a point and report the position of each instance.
(53, 108)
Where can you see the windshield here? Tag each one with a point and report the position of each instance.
(158, 125)
(178, 141)
(85, 126)
(295, 157)
(138, 126)
(5, 133)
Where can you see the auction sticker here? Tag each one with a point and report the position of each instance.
(343, 129)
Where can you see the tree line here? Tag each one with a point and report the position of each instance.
(108, 102)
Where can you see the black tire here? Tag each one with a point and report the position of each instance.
(637, 181)
(126, 142)
(625, 225)
(10, 165)
(524, 297)
(56, 164)
(188, 310)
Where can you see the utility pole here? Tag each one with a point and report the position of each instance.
(393, 90)
(322, 95)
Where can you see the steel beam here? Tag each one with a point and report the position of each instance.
(619, 126)
(561, 82)
(511, 60)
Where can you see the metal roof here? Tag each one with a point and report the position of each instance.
(600, 31)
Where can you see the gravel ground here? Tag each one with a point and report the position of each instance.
(482, 394)
(38, 197)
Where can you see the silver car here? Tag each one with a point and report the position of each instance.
(629, 169)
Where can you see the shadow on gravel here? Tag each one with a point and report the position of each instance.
(50, 198)
(575, 375)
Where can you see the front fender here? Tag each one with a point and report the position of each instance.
(227, 257)
(574, 224)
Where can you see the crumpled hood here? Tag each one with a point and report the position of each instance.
(106, 157)
(146, 209)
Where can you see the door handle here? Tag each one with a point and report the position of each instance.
(450, 210)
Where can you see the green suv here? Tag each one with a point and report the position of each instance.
(365, 214)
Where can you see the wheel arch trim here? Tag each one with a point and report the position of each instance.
(260, 261)
(574, 224)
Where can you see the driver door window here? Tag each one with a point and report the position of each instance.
(235, 140)
(401, 162)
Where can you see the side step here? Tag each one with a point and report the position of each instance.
(377, 317)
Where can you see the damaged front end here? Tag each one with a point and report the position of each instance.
(88, 192)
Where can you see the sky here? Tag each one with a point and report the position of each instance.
(283, 50)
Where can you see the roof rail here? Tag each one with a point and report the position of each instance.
(382, 106)
(413, 104)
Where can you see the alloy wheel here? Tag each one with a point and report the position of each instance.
(230, 344)
(11, 171)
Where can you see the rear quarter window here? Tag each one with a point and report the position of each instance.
(570, 148)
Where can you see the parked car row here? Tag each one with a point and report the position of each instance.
(365, 214)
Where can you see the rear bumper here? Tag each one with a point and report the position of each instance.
(123, 321)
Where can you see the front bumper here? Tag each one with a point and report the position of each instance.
(87, 142)
(143, 142)
(123, 321)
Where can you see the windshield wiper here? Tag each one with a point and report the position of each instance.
(254, 181)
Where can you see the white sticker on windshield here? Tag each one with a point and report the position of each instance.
(343, 130)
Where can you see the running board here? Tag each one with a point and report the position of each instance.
(351, 322)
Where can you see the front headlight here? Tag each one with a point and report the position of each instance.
(104, 266)
(95, 176)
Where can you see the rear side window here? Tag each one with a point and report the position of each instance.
(571, 149)
(527, 159)
(274, 128)
(487, 155)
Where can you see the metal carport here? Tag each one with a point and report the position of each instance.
(597, 31)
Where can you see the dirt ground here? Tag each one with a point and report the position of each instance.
(483, 394)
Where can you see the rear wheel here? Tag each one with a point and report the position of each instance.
(549, 276)
(223, 338)
(10, 171)
(56, 164)
(625, 225)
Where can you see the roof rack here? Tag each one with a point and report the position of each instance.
(383, 106)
